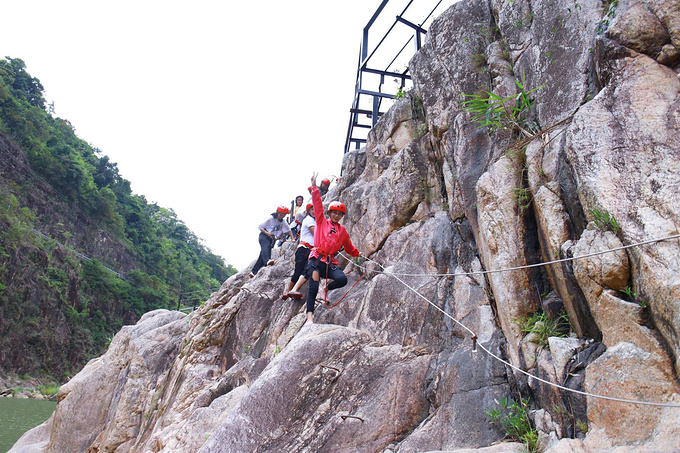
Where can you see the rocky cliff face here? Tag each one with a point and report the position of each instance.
(67, 225)
(434, 199)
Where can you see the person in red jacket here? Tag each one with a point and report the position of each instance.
(329, 238)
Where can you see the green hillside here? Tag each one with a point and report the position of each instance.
(80, 254)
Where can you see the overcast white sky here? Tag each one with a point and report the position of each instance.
(219, 110)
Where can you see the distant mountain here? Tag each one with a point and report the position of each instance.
(80, 254)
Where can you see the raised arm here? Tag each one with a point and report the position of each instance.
(318, 205)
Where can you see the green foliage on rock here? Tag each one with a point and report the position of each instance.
(80, 254)
(604, 221)
(541, 327)
(513, 419)
(502, 113)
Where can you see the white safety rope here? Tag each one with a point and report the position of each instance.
(483, 348)
(546, 263)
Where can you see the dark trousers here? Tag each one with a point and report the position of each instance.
(301, 256)
(326, 270)
(266, 245)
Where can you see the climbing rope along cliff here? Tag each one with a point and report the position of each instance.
(528, 266)
(483, 348)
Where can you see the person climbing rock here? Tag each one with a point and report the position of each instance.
(302, 252)
(323, 187)
(329, 238)
(299, 214)
(298, 205)
(270, 230)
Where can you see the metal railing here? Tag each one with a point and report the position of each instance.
(371, 97)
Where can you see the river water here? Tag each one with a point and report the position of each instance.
(18, 415)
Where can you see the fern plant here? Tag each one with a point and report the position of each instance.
(504, 113)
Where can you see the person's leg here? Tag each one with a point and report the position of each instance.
(269, 261)
(301, 258)
(265, 252)
(301, 281)
(256, 266)
(301, 255)
(317, 267)
(312, 291)
(339, 278)
(304, 276)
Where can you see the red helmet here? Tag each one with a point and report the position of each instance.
(326, 181)
(283, 210)
(309, 206)
(337, 206)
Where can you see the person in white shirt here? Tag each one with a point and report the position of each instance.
(270, 229)
(299, 213)
(303, 249)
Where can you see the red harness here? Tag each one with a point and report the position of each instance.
(325, 296)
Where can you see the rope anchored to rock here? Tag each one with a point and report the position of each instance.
(325, 296)
(529, 266)
(473, 335)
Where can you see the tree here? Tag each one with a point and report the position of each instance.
(67, 297)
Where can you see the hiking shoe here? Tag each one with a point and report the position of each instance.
(251, 275)
(270, 262)
(295, 295)
(285, 296)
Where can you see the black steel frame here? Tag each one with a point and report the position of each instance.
(363, 68)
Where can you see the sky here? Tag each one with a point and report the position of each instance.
(218, 110)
